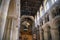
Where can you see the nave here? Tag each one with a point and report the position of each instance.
(29, 19)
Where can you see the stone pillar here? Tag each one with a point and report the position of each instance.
(7, 35)
(14, 30)
(44, 20)
(17, 21)
(4, 7)
(41, 34)
(38, 37)
(7, 30)
(50, 15)
(33, 30)
(55, 34)
(47, 35)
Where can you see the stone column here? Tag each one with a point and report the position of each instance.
(14, 30)
(41, 34)
(7, 35)
(55, 34)
(50, 15)
(33, 29)
(44, 20)
(7, 30)
(4, 7)
(38, 37)
(47, 35)
(16, 22)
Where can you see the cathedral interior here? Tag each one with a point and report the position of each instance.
(29, 19)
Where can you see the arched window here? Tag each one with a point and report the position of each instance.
(47, 17)
(56, 12)
(41, 22)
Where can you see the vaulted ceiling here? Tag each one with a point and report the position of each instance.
(30, 7)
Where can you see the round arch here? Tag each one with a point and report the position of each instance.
(55, 22)
(30, 17)
(25, 19)
(47, 31)
(56, 28)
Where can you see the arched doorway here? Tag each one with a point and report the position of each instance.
(57, 24)
(47, 32)
(26, 28)
(56, 28)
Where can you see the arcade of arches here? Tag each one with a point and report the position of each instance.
(29, 19)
